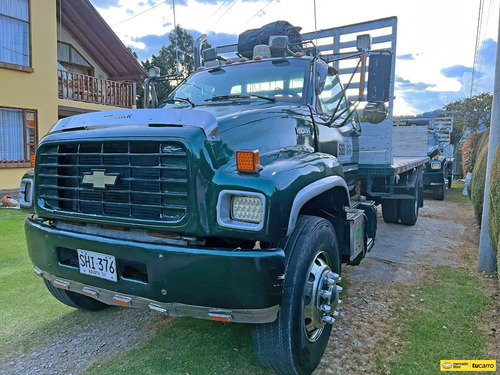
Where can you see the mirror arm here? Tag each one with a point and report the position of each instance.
(332, 118)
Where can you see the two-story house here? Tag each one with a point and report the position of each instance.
(57, 58)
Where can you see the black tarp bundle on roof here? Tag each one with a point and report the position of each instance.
(250, 38)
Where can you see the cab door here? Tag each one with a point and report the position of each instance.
(336, 136)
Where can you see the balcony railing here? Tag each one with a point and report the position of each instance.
(89, 89)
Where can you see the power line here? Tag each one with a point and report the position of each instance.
(138, 14)
(478, 34)
(251, 18)
(227, 10)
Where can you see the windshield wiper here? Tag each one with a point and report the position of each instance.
(183, 100)
(236, 97)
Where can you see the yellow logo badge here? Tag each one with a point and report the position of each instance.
(99, 179)
(468, 365)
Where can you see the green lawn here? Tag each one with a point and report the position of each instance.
(444, 325)
(30, 316)
(189, 346)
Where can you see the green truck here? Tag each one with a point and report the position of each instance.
(239, 197)
(415, 137)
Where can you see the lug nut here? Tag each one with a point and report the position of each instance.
(329, 281)
(339, 288)
(326, 308)
(340, 302)
(328, 319)
(333, 275)
(335, 313)
(325, 294)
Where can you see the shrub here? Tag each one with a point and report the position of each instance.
(494, 206)
(469, 152)
(476, 187)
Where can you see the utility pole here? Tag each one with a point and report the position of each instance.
(487, 260)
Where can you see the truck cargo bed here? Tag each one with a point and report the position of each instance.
(399, 164)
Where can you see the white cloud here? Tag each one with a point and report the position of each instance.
(438, 33)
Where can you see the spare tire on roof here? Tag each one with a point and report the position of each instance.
(250, 38)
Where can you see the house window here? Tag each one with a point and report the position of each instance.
(15, 32)
(72, 60)
(18, 137)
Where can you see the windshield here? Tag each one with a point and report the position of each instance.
(432, 139)
(282, 80)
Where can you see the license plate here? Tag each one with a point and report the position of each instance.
(97, 264)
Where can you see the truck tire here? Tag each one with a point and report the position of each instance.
(76, 300)
(408, 209)
(438, 192)
(295, 342)
(390, 210)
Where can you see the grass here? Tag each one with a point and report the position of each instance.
(189, 346)
(454, 195)
(453, 299)
(30, 316)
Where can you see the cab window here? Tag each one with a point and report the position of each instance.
(331, 95)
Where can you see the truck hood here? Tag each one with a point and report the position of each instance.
(212, 119)
(132, 117)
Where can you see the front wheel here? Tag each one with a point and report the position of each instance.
(295, 342)
(76, 300)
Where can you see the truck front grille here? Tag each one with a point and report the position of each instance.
(151, 179)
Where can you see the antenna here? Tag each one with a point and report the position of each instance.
(177, 65)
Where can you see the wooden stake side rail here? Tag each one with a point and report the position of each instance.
(83, 88)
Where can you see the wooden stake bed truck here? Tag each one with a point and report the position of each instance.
(239, 198)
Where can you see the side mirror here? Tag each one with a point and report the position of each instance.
(453, 138)
(375, 113)
(379, 78)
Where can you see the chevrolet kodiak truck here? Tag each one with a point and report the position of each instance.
(239, 198)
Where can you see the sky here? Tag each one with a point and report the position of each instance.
(435, 46)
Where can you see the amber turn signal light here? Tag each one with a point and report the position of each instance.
(247, 161)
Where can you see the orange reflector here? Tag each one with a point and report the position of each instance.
(32, 159)
(298, 54)
(37, 271)
(122, 301)
(90, 292)
(112, 227)
(436, 157)
(220, 317)
(61, 284)
(247, 161)
(172, 236)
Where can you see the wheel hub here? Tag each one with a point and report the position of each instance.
(321, 297)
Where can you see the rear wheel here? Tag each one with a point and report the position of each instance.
(408, 209)
(295, 342)
(390, 210)
(76, 300)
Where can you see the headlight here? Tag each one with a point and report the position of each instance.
(244, 210)
(435, 165)
(26, 193)
(247, 209)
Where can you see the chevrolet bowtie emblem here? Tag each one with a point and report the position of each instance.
(99, 179)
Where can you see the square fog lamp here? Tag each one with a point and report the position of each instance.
(247, 209)
(435, 165)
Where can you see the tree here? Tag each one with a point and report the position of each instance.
(180, 46)
(471, 113)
